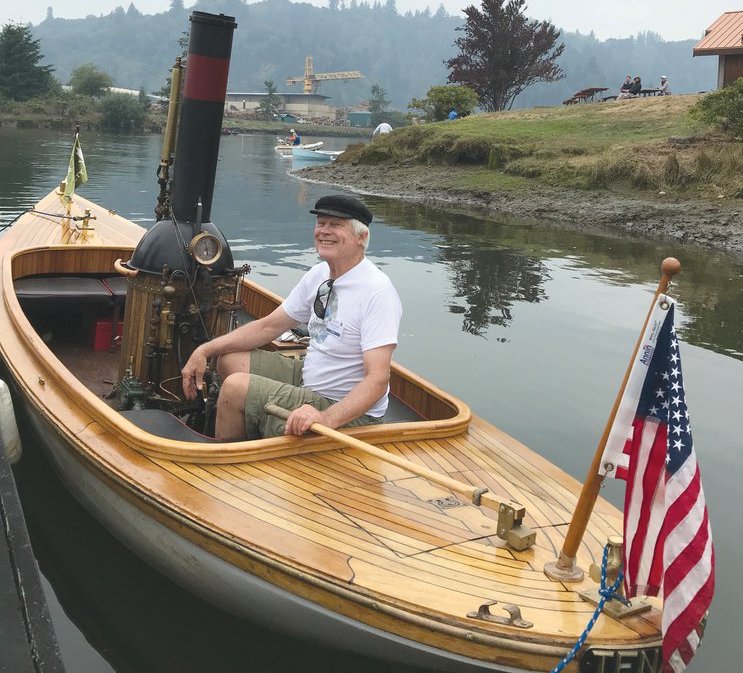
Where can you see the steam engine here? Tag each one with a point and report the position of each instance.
(182, 288)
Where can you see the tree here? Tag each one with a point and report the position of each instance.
(21, 76)
(502, 53)
(378, 103)
(122, 112)
(441, 99)
(269, 106)
(183, 44)
(87, 80)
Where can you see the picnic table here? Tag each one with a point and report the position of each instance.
(649, 92)
(585, 95)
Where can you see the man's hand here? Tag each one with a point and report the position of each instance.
(302, 418)
(193, 374)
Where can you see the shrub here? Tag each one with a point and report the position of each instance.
(723, 108)
(120, 112)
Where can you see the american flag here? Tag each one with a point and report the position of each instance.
(668, 542)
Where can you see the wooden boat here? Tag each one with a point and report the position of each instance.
(411, 541)
(287, 150)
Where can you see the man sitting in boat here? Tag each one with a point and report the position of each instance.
(293, 138)
(352, 311)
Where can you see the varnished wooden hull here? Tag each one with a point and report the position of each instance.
(322, 541)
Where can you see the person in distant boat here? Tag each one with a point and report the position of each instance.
(452, 114)
(634, 89)
(383, 128)
(352, 312)
(293, 138)
(664, 89)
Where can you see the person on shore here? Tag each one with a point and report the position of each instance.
(382, 129)
(352, 312)
(634, 89)
(293, 138)
(453, 114)
(664, 89)
(624, 88)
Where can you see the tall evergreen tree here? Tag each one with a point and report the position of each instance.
(21, 76)
(269, 106)
(378, 103)
(502, 53)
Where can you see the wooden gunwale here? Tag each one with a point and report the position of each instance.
(350, 560)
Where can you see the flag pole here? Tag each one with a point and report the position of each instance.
(564, 567)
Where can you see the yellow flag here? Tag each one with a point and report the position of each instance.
(77, 174)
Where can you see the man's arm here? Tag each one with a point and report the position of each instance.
(359, 400)
(246, 338)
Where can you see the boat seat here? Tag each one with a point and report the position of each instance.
(66, 290)
(117, 287)
(164, 424)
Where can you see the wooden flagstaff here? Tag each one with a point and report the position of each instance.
(565, 568)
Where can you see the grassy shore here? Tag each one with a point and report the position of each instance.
(639, 145)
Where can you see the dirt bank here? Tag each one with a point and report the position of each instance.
(714, 224)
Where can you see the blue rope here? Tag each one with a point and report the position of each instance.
(607, 594)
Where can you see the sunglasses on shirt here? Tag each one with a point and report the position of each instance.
(322, 297)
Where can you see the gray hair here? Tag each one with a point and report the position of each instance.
(359, 228)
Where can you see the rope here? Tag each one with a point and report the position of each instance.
(3, 227)
(607, 594)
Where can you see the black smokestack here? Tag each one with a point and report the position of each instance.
(202, 110)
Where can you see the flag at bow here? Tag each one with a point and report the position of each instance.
(77, 174)
(667, 537)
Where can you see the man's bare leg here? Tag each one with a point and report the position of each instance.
(230, 424)
(233, 363)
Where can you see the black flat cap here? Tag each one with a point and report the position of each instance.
(346, 207)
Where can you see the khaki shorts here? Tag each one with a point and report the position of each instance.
(276, 379)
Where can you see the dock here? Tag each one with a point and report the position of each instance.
(28, 643)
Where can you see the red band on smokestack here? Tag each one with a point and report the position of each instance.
(206, 78)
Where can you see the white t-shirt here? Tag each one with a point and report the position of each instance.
(363, 312)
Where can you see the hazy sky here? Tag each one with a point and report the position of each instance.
(672, 19)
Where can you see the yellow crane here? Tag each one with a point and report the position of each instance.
(311, 78)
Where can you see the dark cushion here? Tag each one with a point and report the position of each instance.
(62, 289)
(164, 424)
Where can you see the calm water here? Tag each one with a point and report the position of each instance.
(532, 326)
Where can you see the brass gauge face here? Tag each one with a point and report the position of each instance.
(205, 248)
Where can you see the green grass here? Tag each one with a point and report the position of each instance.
(642, 144)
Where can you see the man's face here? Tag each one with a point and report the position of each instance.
(335, 239)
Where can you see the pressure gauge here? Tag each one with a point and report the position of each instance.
(205, 248)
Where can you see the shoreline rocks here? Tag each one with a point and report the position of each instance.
(717, 225)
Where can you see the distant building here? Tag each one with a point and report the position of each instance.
(296, 104)
(360, 118)
(724, 38)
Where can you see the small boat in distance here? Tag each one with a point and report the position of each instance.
(285, 149)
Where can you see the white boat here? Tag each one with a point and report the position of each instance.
(305, 154)
(287, 150)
